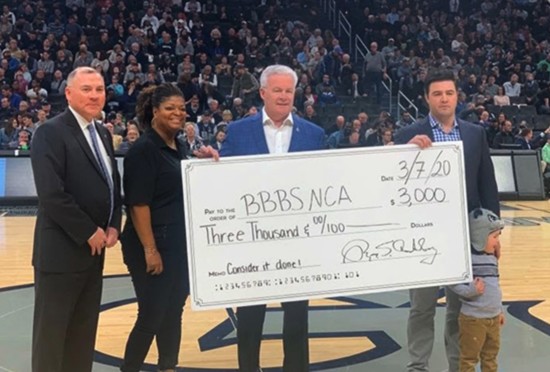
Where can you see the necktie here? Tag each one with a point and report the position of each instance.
(102, 167)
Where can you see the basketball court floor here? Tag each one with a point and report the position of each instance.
(360, 333)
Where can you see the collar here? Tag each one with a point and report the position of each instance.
(80, 119)
(436, 124)
(159, 142)
(266, 120)
(156, 138)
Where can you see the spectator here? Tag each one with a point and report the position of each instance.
(206, 127)
(375, 70)
(505, 135)
(500, 99)
(219, 138)
(9, 133)
(245, 86)
(223, 68)
(311, 116)
(192, 142)
(530, 142)
(336, 133)
(23, 141)
(352, 135)
(512, 88)
(406, 119)
(58, 84)
(41, 118)
(325, 91)
(355, 87)
(83, 57)
(150, 18)
(308, 97)
(63, 63)
(132, 134)
(530, 89)
(6, 111)
(227, 117)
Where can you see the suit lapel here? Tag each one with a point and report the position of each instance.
(466, 134)
(426, 128)
(296, 139)
(259, 136)
(79, 135)
(107, 143)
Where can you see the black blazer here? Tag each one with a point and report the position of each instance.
(73, 196)
(481, 186)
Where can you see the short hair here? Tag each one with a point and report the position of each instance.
(277, 70)
(525, 131)
(439, 74)
(82, 70)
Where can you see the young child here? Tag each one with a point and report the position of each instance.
(481, 313)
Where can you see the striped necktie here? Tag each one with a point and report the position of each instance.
(102, 167)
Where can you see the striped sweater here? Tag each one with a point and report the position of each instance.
(488, 304)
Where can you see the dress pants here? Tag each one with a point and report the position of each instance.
(160, 300)
(373, 80)
(420, 328)
(295, 336)
(66, 311)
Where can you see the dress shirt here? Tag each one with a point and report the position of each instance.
(278, 139)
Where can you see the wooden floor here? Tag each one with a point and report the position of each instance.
(524, 270)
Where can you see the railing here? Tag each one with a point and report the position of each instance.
(402, 96)
(358, 49)
(332, 12)
(344, 27)
(361, 49)
(389, 88)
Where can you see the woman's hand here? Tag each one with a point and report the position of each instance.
(153, 261)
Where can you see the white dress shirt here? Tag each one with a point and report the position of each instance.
(278, 139)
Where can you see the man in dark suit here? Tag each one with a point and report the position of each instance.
(441, 125)
(273, 131)
(79, 214)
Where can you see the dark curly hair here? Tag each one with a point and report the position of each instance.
(152, 97)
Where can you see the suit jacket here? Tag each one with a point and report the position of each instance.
(73, 195)
(533, 144)
(481, 187)
(246, 137)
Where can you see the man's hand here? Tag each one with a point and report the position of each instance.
(207, 152)
(112, 237)
(97, 241)
(421, 140)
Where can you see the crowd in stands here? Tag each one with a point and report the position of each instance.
(215, 50)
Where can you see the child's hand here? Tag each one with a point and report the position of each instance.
(501, 319)
(480, 285)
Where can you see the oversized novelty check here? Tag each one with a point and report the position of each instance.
(296, 226)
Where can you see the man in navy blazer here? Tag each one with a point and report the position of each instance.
(481, 190)
(273, 131)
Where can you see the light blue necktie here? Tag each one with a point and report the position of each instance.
(102, 166)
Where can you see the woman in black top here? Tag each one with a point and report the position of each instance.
(153, 241)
